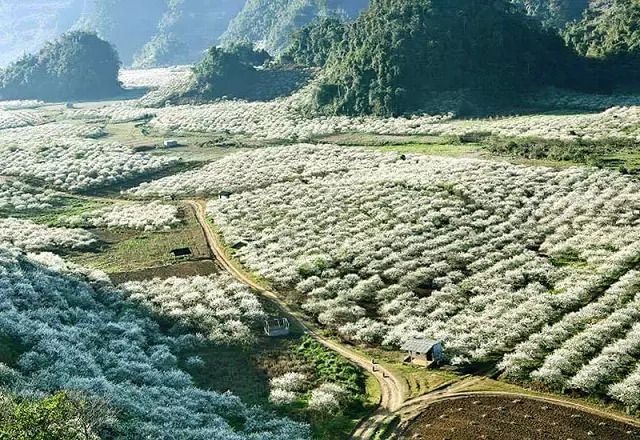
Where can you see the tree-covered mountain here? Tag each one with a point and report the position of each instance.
(126, 24)
(78, 65)
(160, 32)
(186, 30)
(400, 53)
(269, 23)
(610, 33)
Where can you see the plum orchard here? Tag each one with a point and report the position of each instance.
(485, 256)
(226, 310)
(278, 119)
(29, 236)
(117, 113)
(74, 331)
(21, 118)
(144, 216)
(21, 104)
(285, 119)
(60, 156)
(17, 196)
(271, 166)
(154, 78)
(281, 119)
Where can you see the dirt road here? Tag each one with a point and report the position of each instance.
(392, 394)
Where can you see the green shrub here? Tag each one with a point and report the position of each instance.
(62, 416)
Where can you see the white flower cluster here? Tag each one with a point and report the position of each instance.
(26, 235)
(279, 119)
(268, 166)
(481, 255)
(21, 104)
(21, 118)
(76, 165)
(616, 122)
(42, 135)
(143, 216)
(561, 349)
(283, 119)
(116, 112)
(153, 78)
(285, 389)
(224, 309)
(570, 99)
(15, 195)
(327, 398)
(165, 85)
(78, 333)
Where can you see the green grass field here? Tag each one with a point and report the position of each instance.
(61, 206)
(124, 251)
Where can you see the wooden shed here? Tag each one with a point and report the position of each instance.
(423, 352)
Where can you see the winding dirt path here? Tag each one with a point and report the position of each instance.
(392, 394)
(392, 400)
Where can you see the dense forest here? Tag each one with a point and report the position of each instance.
(554, 13)
(78, 65)
(610, 33)
(399, 54)
(164, 32)
(270, 22)
(403, 57)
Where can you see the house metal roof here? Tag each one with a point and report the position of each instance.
(419, 345)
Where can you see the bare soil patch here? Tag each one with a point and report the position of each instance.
(506, 418)
(180, 270)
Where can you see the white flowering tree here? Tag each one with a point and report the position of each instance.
(29, 236)
(143, 216)
(487, 257)
(78, 332)
(227, 311)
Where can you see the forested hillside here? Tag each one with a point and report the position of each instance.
(160, 32)
(270, 22)
(401, 54)
(186, 30)
(126, 24)
(78, 65)
(554, 13)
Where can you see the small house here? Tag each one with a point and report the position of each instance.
(422, 352)
(170, 143)
(224, 195)
(182, 252)
(69, 105)
(276, 327)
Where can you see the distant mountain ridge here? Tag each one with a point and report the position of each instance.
(164, 32)
(159, 32)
